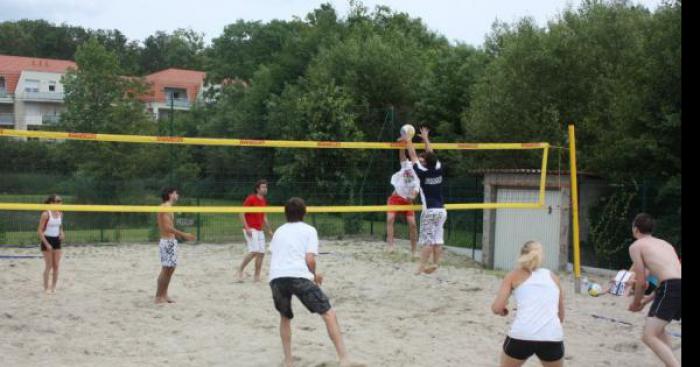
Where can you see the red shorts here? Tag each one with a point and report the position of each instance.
(398, 200)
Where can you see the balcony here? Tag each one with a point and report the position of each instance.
(10, 119)
(42, 96)
(7, 119)
(5, 97)
(177, 102)
(50, 119)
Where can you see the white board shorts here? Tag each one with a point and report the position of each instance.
(432, 222)
(255, 241)
(168, 252)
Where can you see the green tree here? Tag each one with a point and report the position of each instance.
(598, 66)
(39, 38)
(184, 49)
(321, 113)
(99, 99)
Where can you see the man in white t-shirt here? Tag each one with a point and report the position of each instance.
(406, 188)
(294, 247)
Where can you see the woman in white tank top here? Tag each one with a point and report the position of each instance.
(51, 234)
(540, 303)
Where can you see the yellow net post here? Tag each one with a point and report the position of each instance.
(574, 209)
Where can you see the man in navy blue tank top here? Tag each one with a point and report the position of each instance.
(432, 220)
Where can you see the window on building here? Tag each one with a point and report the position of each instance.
(175, 93)
(52, 86)
(31, 85)
(2, 82)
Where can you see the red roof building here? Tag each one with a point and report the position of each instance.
(173, 89)
(11, 68)
(31, 92)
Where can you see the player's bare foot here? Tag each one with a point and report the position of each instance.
(430, 269)
(169, 300)
(240, 276)
(160, 300)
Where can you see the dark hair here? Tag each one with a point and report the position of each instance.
(259, 183)
(51, 199)
(644, 223)
(295, 209)
(430, 159)
(165, 195)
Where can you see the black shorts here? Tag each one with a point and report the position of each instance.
(524, 349)
(667, 302)
(650, 289)
(307, 291)
(55, 242)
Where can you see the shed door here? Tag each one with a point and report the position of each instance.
(516, 226)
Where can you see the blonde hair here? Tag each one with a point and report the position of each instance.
(531, 256)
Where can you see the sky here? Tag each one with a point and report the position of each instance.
(464, 21)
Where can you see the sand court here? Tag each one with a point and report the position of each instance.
(103, 312)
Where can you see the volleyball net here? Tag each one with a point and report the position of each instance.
(272, 144)
(345, 185)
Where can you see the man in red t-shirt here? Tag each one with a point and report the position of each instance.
(253, 225)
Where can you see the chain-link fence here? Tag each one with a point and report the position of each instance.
(463, 228)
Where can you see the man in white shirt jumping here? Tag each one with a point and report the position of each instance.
(406, 188)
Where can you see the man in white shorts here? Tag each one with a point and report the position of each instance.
(168, 245)
(432, 220)
(253, 225)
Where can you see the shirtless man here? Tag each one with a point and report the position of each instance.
(168, 245)
(660, 258)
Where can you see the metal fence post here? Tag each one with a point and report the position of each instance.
(475, 221)
(199, 218)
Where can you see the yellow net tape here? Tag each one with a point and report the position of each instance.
(267, 144)
(248, 209)
(148, 139)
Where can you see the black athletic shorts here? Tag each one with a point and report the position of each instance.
(524, 349)
(307, 291)
(650, 289)
(667, 302)
(55, 242)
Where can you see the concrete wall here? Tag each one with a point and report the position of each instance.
(35, 111)
(44, 79)
(30, 111)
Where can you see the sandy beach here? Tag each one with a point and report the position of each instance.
(103, 312)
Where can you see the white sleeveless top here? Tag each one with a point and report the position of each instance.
(537, 317)
(53, 226)
(405, 181)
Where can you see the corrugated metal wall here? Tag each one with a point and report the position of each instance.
(516, 226)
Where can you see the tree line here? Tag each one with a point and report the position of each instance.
(611, 67)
